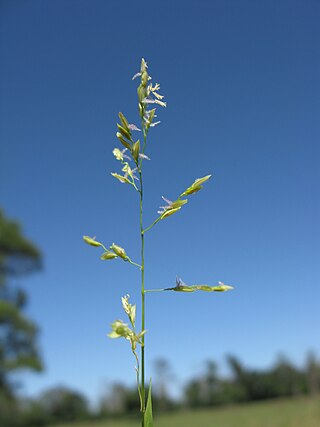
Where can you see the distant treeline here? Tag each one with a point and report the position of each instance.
(61, 404)
(283, 379)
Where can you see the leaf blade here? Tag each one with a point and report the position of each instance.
(148, 418)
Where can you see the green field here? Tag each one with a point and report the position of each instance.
(302, 412)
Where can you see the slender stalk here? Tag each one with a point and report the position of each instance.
(143, 399)
(143, 394)
(138, 377)
(154, 223)
(133, 263)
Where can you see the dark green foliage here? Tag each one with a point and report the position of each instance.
(32, 414)
(313, 374)
(8, 409)
(55, 405)
(193, 394)
(18, 334)
(61, 404)
(282, 380)
(17, 254)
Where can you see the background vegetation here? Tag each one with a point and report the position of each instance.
(282, 413)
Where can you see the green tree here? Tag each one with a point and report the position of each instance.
(18, 349)
(212, 383)
(312, 373)
(290, 381)
(251, 384)
(193, 393)
(64, 405)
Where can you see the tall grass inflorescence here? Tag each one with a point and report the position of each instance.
(134, 153)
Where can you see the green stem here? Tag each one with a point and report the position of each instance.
(154, 223)
(138, 377)
(154, 290)
(143, 396)
(133, 263)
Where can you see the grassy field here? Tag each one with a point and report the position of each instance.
(302, 412)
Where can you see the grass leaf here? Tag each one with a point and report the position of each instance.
(148, 419)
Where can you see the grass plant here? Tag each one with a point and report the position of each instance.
(132, 158)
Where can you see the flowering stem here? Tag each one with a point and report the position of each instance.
(150, 226)
(143, 399)
(133, 263)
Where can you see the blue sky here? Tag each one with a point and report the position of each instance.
(241, 79)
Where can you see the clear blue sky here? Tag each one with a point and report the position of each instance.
(241, 79)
